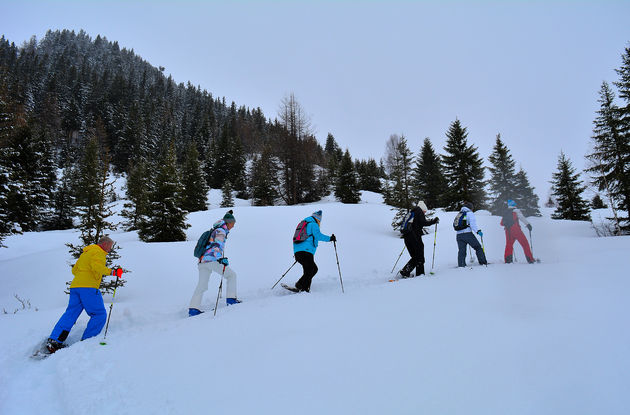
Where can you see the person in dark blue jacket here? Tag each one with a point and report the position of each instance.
(304, 252)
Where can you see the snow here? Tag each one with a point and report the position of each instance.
(548, 338)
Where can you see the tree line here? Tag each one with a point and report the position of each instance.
(75, 109)
(72, 106)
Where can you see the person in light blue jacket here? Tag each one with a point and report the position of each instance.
(304, 251)
(466, 237)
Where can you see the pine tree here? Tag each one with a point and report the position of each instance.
(138, 189)
(226, 191)
(333, 156)
(598, 203)
(165, 220)
(463, 169)
(195, 188)
(263, 180)
(524, 195)
(92, 192)
(568, 189)
(63, 203)
(428, 178)
(369, 175)
(237, 171)
(502, 177)
(346, 186)
(398, 190)
(5, 222)
(29, 159)
(220, 151)
(610, 159)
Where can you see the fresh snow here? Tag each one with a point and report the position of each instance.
(548, 338)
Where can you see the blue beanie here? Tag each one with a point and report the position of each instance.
(511, 203)
(317, 215)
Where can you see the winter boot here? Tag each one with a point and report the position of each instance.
(232, 301)
(53, 345)
(530, 260)
(194, 312)
(508, 259)
(420, 270)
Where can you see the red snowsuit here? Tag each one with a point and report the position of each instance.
(514, 233)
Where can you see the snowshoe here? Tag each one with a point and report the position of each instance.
(232, 301)
(46, 348)
(292, 289)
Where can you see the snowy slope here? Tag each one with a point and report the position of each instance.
(548, 338)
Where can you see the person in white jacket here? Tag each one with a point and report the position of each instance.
(466, 237)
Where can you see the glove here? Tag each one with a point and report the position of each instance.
(480, 233)
(436, 220)
(117, 272)
(223, 261)
(333, 238)
(529, 227)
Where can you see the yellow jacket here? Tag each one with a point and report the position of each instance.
(90, 268)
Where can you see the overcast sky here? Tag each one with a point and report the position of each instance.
(529, 70)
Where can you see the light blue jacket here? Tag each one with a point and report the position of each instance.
(314, 236)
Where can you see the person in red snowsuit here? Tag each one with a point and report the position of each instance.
(513, 232)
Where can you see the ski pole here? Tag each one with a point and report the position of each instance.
(484, 250)
(531, 243)
(284, 275)
(216, 305)
(338, 267)
(434, 242)
(110, 312)
(401, 252)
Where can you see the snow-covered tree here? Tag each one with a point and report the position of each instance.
(502, 177)
(195, 188)
(568, 189)
(428, 179)
(346, 185)
(164, 219)
(463, 169)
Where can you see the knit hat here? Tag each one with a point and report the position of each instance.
(511, 203)
(317, 215)
(469, 205)
(229, 217)
(422, 206)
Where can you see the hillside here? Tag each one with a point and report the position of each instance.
(547, 338)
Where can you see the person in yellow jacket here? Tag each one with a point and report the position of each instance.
(85, 294)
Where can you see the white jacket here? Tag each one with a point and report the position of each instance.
(520, 215)
(471, 220)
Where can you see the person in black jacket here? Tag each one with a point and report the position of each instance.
(413, 241)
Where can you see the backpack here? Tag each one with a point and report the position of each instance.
(508, 218)
(300, 234)
(202, 243)
(460, 222)
(405, 226)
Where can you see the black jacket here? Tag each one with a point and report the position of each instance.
(419, 221)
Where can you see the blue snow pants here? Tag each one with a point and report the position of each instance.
(88, 299)
(467, 238)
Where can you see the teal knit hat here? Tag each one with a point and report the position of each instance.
(317, 215)
(229, 217)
